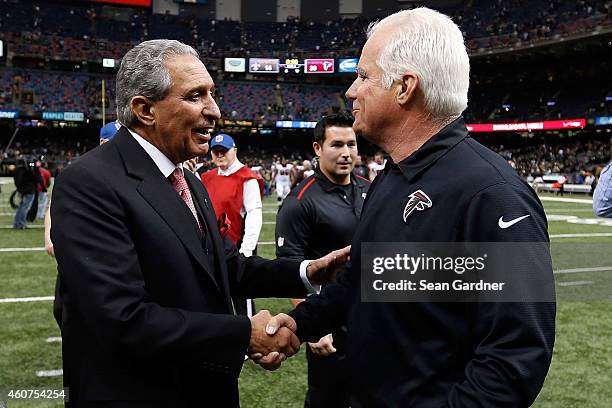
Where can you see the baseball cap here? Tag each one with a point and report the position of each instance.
(222, 140)
(108, 131)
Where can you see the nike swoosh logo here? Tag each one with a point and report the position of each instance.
(505, 224)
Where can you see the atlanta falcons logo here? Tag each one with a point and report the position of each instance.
(416, 201)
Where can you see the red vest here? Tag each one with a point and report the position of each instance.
(226, 194)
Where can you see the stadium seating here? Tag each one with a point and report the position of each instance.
(34, 90)
(486, 25)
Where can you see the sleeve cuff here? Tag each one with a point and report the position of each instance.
(310, 288)
(246, 252)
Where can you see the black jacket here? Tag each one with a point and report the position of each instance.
(146, 311)
(441, 354)
(317, 217)
(27, 178)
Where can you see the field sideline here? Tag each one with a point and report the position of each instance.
(580, 375)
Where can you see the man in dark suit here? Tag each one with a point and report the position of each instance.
(145, 276)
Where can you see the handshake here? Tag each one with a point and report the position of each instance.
(273, 339)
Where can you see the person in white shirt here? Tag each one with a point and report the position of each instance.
(377, 165)
(281, 176)
(235, 192)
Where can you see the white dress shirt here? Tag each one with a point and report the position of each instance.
(166, 167)
(164, 164)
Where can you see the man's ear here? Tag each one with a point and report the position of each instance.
(317, 148)
(143, 109)
(406, 88)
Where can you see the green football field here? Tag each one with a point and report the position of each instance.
(580, 376)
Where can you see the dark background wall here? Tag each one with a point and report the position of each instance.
(207, 10)
(259, 10)
(379, 8)
(320, 10)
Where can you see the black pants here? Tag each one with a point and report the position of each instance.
(328, 382)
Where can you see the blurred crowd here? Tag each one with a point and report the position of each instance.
(579, 161)
(88, 33)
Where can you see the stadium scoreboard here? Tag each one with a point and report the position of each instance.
(264, 65)
(290, 65)
(143, 3)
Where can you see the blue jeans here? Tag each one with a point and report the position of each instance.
(42, 205)
(22, 210)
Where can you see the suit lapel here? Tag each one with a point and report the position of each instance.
(158, 192)
(203, 200)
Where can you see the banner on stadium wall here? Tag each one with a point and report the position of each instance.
(9, 114)
(603, 120)
(241, 123)
(295, 124)
(528, 126)
(69, 116)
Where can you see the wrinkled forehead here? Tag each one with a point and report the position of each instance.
(188, 70)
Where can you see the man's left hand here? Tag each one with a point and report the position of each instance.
(323, 270)
(191, 164)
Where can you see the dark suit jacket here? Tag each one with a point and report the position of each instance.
(145, 317)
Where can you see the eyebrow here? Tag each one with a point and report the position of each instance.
(200, 89)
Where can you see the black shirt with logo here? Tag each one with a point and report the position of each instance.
(426, 354)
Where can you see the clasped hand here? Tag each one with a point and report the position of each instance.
(268, 348)
(273, 339)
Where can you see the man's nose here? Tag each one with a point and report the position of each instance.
(211, 110)
(351, 93)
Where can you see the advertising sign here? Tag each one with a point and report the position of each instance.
(74, 116)
(603, 120)
(9, 114)
(295, 124)
(347, 64)
(235, 65)
(71, 116)
(528, 126)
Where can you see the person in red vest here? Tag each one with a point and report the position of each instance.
(235, 192)
(43, 186)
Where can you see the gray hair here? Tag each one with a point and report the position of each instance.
(429, 44)
(143, 73)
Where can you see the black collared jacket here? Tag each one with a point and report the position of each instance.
(441, 354)
(317, 217)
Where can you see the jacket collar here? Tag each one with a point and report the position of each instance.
(328, 186)
(159, 193)
(432, 150)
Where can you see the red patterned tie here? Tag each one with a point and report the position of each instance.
(180, 185)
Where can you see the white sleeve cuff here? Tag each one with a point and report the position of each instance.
(246, 252)
(310, 288)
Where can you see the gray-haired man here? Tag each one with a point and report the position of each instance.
(407, 348)
(145, 278)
